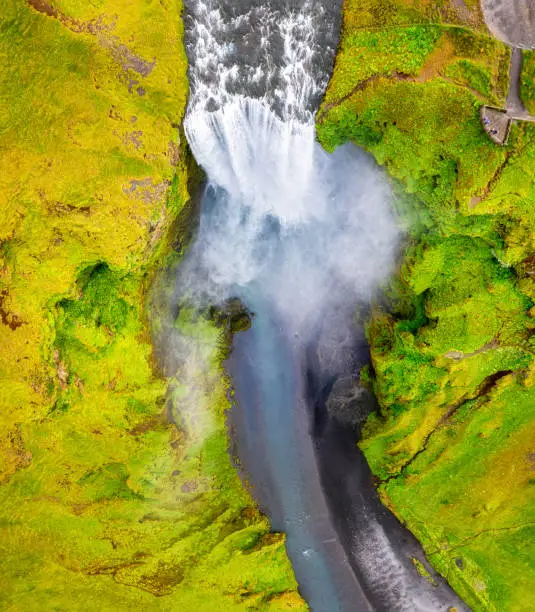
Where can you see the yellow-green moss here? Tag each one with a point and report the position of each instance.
(452, 350)
(104, 503)
(527, 80)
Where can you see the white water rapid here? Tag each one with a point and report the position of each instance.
(315, 230)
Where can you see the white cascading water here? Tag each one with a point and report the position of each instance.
(316, 230)
(264, 159)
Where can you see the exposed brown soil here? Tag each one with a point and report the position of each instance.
(152, 424)
(527, 267)
(437, 60)
(471, 16)
(129, 60)
(126, 58)
(173, 153)
(18, 456)
(61, 370)
(95, 26)
(44, 7)
(146, 190)
(8, 318)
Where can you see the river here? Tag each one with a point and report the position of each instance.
(303, 239)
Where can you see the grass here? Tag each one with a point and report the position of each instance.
(452, 341)
(106, 503)
(399, 50)
(527, 80)
(381, 14)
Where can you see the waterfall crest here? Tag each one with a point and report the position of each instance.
(314, 230)
(280, 52)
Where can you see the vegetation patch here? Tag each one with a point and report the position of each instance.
(105, 502)
(527, 80)
(452, 341)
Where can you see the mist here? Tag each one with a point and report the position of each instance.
(312, 233)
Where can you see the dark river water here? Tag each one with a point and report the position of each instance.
(271, 424)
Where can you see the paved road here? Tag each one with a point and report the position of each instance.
(514, 101)
(513, 21)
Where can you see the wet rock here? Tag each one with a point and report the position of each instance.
(232, 314)
(240, 322)
(349, 402)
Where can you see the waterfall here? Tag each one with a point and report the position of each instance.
(279, 52)
(315, 230)
(301, 237)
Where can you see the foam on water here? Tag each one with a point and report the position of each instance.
(263, 162)
(315, 230)
(277, 52)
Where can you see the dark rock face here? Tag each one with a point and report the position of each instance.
(350, 403)
(512, 21)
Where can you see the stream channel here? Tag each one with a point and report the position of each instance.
(302, 238)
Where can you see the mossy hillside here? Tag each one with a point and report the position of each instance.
(452, 345)
(418, 53)
(105, 503)
(114, 491)
(477, 532)
(383, 14)
(86, 165)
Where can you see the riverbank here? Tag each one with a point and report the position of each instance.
(387, 560)
(452, 351)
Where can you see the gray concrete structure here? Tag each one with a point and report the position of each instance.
(496, 123)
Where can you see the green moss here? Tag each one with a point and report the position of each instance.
(396, 51)
(527, 80)
(442, 157)
(106, 483)
(93, 320)
(372, 14)
(420, 568)
(105, 502)
(452, 344)
(470, 74)
(484, 525)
